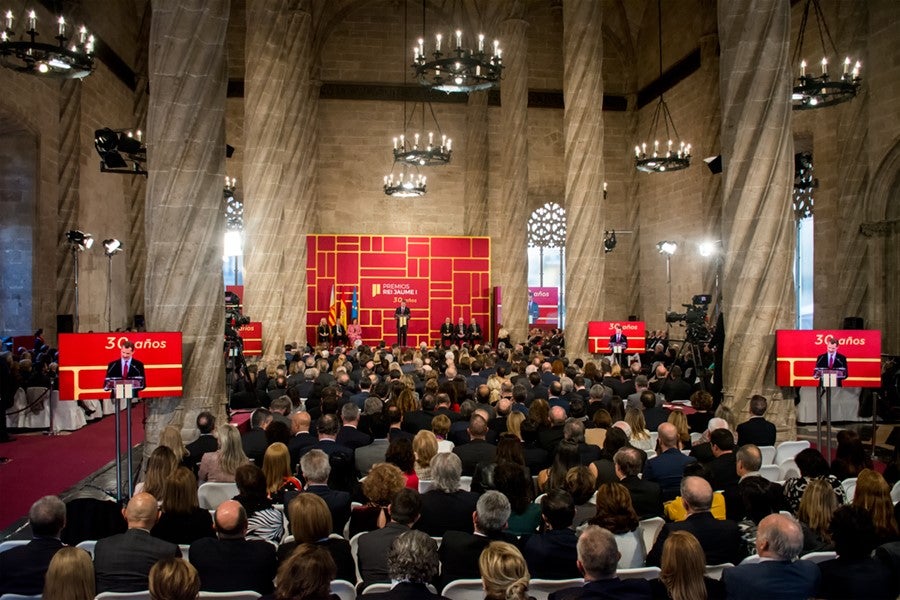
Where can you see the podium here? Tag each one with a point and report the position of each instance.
(617, 349)
(123, 389)
(828, 379)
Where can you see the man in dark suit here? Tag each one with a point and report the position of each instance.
(349, 434)
(401, 316)
(413, 563)
(445, 506)
(478, 449)
(654, 413)
(374, 546)
(460, 550)
(552, 554)
(207, 442)
(722, 468)
(230, 562)
(339, 333)
(415, 421)
(22, 569)
(618, 344)
(675, 387)
(359, 399)
(316, 469)
(301, 439)
(538, 389)
(549, 439)
(254, 441)
(779, 540)
(573, 432)
(598, 558)
(447, 333)
(831, 360)
(646, 496)
(122, 562)
(721, 540)
(126, 367)
(667, 468)
(757, 430)
(340, 457)
(474, 332)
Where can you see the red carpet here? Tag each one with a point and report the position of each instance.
(44, 465)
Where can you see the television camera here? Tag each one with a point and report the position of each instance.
(694, 318)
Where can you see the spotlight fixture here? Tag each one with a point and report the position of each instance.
(62, 60)
(460, 69)
(609, 241)
(112, 246)
(672, 157)
(119, 147)
(818, 91)
(667, 248)
(707, 249)
(79, 240)
(411, 186)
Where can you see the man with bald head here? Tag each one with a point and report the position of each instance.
(549, 439)
(779, 541)
(478, 449)
(720, 540)
(301, 438)
(667, 468)
(122, 562)
(230, 562)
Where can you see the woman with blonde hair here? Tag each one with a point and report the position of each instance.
(171, 438)
(279, 476)
(222, 464)
(504, 573)
(874, 495)
(683, 571)
(514, 423)
(425, 447)
(160, 465)
(817, 506)
(640, 436)
(677, 418)
(70, 576)
(174, 579)
(406, 400)
(440, 426)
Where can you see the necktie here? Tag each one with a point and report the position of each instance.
(125, 369)
(830, 360)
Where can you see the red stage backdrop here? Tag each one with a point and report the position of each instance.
(252, 334)
(438, 277)
(797, 352)
(599, 332)
(83, 358)
(547, 299)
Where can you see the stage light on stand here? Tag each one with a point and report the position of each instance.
(609, 241)
(78, 241)
(667, 249)
(112, 246)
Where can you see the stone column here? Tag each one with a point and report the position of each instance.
(280, 108)
(509, 245)
(69, 185)
(184, 217)
(476, 151)
(757, 150)
(585, 207)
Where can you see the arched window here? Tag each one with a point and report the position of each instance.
(804, 184)
(547, 253)
(233, 258)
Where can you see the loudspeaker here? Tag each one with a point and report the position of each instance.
(65, 323)
(632, 318)
(714, 163)
(139, 322)
(854, 323)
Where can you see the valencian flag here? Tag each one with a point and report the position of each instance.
(354, 305)
(337, 310)
(332, 308)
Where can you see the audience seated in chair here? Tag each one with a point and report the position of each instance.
(504, 573)
(174, 579)
(311, 524)
(413, 562)
(306, 575)
(22, 568)
(552, 554)
(70, 576)
(373, 546)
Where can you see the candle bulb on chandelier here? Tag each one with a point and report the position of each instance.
(655, 147)
(449, 145)
(32, 20)
(480, 42)
(62, 27)
(802, 68)
(395, 143)
(82, 35)
(416, 141)
(856, 69)
(9, 20)
(459, 40)
(422, 48)
(437, 47)
(430, 138)
(824, 66)
(637, 151)
(846, 65)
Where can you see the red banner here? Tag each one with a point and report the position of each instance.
(251, 333)
(543, 306)
(599, 332)
(798, 351)
(84, 358)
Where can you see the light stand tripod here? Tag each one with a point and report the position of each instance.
(111, 247)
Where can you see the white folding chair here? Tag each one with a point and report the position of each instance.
(10, 544)
(786, 450)
(425, 485)
(465, 483)
(185, 551)
(14, 421)
(377, 588)
(715, 571)
(770, 472)
(343, 589)
(768, 454)
(654, 437)
(695, 437)
(849, 486)
(354, 552)
(20, 597)
(88, 546)
(788, 470)
(539, 497)
(464, 589)
(38, 416)
(67, 415)
(244, 595)
(641, 573)
(751, 560)
(650, 529)
(212, 493)
(819, 557)
(542, 588)
(142, 595)
(895, 493)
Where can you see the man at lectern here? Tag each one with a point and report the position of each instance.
(401, 315)
(831, 360)
(126, 367)
(618, 341)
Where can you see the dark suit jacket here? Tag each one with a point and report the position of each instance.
(338, 504)
(646, 496)
(607, 589)
(773, 580)
(298, 444)
(417, 420)
(234, 565)
(122, 562)
(549, 439)
(135, 371)
(840, 362)
(405, 591)
(442, 512)
(373, 550)
(352, 437)
(867, 578)
(756, 431)
(723, 471)
(205, 443)
(369, 455)
(552, 554)
(255, 444)
(656, 416)
(474, 452)
(460, 552)
(720, 540)
(667, 469)
(22, 569)
(676, 389)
